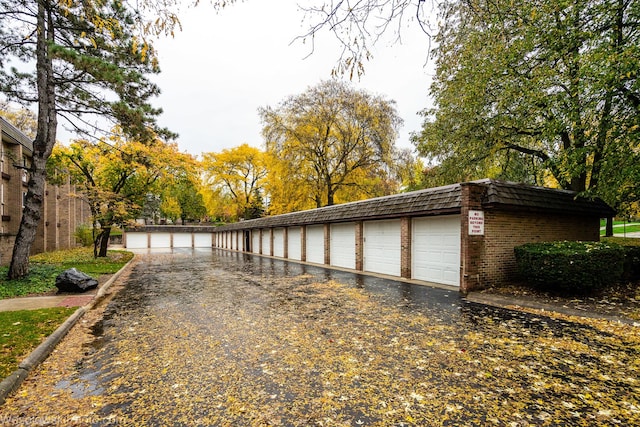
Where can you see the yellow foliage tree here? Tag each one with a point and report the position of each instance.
(328, 138)
(116, 175)
(237, 175)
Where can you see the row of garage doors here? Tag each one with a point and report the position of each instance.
(435, 246)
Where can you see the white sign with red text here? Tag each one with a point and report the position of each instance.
(476, 223)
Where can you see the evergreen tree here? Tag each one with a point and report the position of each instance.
(89, 61)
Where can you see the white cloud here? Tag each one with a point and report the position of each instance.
(223, 66)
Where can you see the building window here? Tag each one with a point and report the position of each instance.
(25, 166)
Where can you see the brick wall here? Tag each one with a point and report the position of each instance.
(405, 247)
(63, 212)
(504, 230)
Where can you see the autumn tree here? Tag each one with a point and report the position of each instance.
(537, 89)
(330, 136)
(116, 175)
(74, 60)
(238, 175)
(22, 118)
(182, 198)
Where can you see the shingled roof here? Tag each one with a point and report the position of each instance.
(521, 196)
(436, 201)
(431, 201)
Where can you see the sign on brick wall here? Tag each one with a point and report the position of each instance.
(476, 223)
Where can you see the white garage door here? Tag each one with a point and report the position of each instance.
(382, 247)
(266, 241)
(182, 240)
(343, 245)
(255, 241)
(294, 244)
(315, 244)
(137, 240)
(436, 249)
(278, 242)
(160, 240)
(202, 240)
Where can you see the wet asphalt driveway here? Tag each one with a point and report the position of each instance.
(226, 339)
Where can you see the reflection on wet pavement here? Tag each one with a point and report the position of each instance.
(223, 338)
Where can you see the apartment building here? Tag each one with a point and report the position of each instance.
(63, 209)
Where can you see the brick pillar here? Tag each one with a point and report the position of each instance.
(303, 243)
(359, 245)
(271, 236)
(260, 244)
(405, 247)
(285, 236)
(471, 247)
(327, 244)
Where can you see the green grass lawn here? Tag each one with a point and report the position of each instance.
(620, 227)
(44, 268)
(22, 331)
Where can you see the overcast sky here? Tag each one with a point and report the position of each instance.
(222, 67)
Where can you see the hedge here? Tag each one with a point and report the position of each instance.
(632, 255)
(570, 266)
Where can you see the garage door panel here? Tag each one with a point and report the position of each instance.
(255, 241)
(278, 242)
(137, 240)
(382, 249)
(182, 240)
(266, 242)
(315, 244)
(293, 243)
(343, 245)
(202, 240)
(160, 240)
(436, 249)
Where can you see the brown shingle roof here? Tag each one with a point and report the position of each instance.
(437, 201)
(431, 201)
(515, 195)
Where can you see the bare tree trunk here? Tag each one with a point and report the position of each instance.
(609, 227)
(104, 241)
(42, 147)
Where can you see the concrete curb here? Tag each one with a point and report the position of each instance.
(10, 384)
(511, 302)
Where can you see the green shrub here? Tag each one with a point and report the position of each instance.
(570, 266)
(84, 235)
(632, 255)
